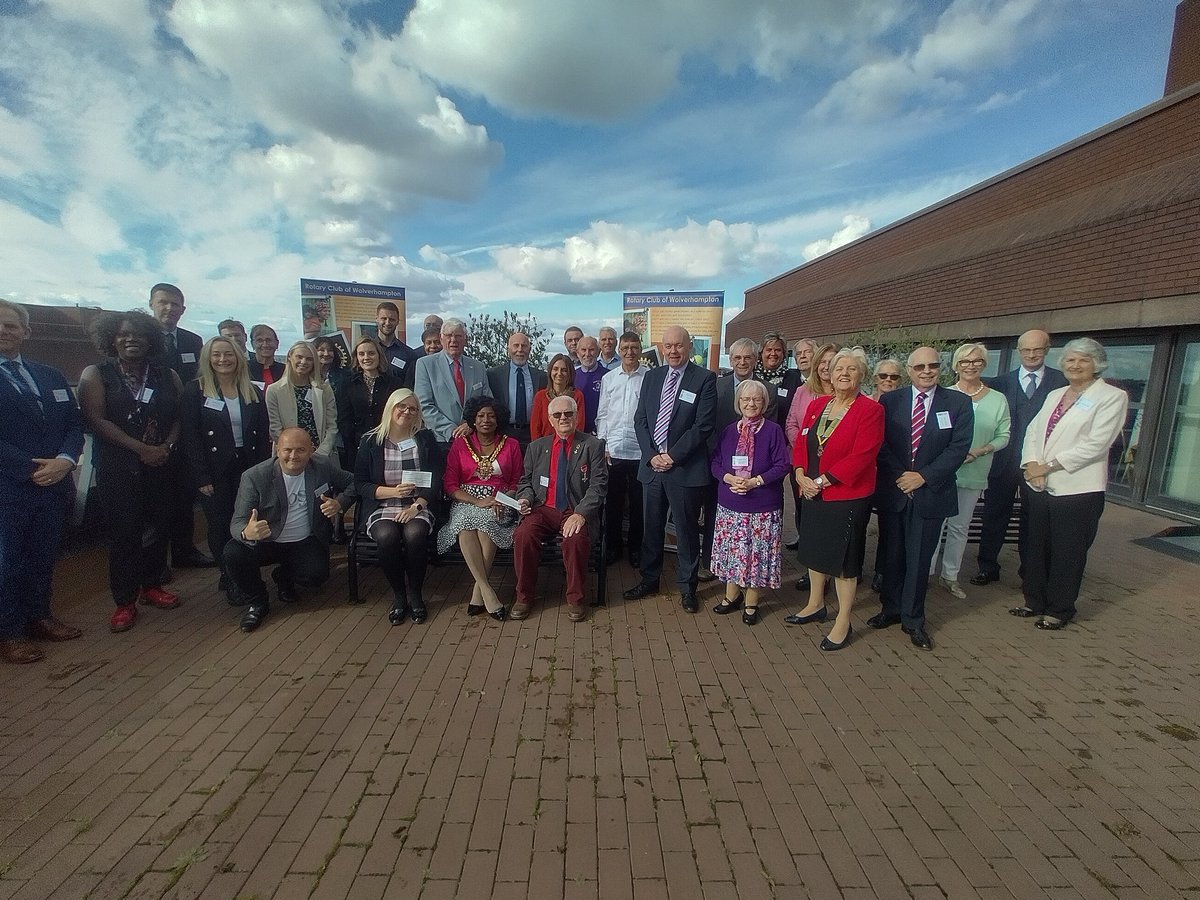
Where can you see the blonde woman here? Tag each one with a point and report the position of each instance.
(302, 399)
(225, 431)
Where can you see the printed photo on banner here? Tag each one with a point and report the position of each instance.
(650, 315)
(346, 308)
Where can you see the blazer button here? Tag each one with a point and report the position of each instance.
(210, 434)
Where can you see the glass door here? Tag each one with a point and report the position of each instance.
(1176, 481)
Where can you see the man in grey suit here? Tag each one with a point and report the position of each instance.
(514, 384)
(445, 382)
(562, 490)
(283, 516)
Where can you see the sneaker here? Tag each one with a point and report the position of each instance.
(158, 598)
(953, 589)
(123, 618)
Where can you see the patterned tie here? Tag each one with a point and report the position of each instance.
(520, 404)
(666, 407)
(1031, 388)
(560, 481)
(459, 383)
(918, 423)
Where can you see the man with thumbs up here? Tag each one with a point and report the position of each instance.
(282, 517)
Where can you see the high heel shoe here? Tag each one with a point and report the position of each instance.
(819, 616)
(397, 614)
(827, 644)
(473, 610)
(727, 606)
(417, 610)
(750, 615)
(500, 614)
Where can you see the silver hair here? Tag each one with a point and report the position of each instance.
(858, 354)
(1088, 347)
(750, 384)
(22, 312)
(889, 359)
(609, 329)
(743, 345)
(452, 325)
(568, 398)
(963, 350)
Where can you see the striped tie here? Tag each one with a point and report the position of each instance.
(918, 424)
(666, 406)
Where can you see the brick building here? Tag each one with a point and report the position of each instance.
(1100, 237)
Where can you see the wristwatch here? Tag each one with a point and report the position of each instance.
(820, 482)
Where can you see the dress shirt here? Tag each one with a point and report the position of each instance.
(619, 393)
(610, 364)
(1039, 376)
(512, 391)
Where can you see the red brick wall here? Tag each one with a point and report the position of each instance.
(1184, 66)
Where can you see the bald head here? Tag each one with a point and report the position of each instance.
(1032, 347)
(677, 346)
(294, 448)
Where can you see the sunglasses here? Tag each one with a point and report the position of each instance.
(887, 376)
(562, 415)
(922, 367)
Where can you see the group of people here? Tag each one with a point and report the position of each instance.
(440, 450)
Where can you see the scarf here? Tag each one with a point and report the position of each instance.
(747, 428)
(771, 376)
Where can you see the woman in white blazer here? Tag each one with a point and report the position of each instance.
(303, 399)
(1065, 460)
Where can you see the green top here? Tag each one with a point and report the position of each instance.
(992, 427)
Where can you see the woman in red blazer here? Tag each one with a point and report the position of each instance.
(835, 459)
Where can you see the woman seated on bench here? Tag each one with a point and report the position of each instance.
(398, 475)
(478, 466)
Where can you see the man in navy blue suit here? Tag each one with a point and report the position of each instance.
(1025, 388)
(675, 416)
(43, 438)
(927, 434)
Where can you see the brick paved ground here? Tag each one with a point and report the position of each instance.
(646, 753)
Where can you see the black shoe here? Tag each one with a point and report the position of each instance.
(690, 603)
(726, 606)
(750, 615)
(705, 574)
(473, 610)
(796, 619)
(285, 586)
(254, 616)
(828, 645)
(640, 590)
(1049, 623)
(417, 609)
(803, 583)
(193, 559)
(882, 620)
(877, 583)
(982, 578)
(1022, 612)
(920, 639)
(793, 544)
(398, 613)
(500, 615)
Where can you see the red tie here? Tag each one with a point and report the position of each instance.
(459, 383)
(918, 424)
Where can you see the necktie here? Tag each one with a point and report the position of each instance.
(459, 383)
(560, 481)
(171, 346)
(918, 423)
(1031, 388)
(666, 407)
(522, 410)
(20, 383)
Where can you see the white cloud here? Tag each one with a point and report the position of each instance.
(609, 257)
(853, 227)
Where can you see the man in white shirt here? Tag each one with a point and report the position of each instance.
(620, 390)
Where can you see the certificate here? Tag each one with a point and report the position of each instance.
(504, 500)
(417, 477)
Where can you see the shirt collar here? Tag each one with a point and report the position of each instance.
(1040, 372)
(680, 368)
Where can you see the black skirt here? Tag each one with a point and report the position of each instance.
(833, 536)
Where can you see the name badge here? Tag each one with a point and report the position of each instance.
(62, 395)
(687, 396)
(741, 462)
(417, 477)
(782, 392)
(145, 395)
(399, 363)
(1084, 403)
(308, 395)
(407, 444)
(477, 386)
(943, 418)
(187, 357)
(213, 403)
(322, 490)
(544, 481)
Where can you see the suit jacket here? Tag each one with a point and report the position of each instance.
(498, 383)
(262, 488)
(691, 425)
(727, 413)
(31, 432)
(357, 410)
(1080, 440)
(281, 407)
(851, 454)
(187, 343)
(1021, 411)
(402, 362)
(439, 397)
(256, 370)
(941, 452)
(368, 473)
(587, 473)
(207, 434)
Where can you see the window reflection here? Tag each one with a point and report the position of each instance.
(1181, 471)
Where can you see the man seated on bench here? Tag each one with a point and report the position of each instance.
(562, 490)
(283, 517)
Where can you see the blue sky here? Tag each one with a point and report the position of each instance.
(533, 155)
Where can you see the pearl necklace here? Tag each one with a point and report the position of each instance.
(976, 392)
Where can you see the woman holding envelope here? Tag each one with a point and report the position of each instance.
(482, 464)
(398, 474)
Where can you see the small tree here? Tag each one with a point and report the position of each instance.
(489, 337)
(881, 342)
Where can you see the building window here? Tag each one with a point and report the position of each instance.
(1180, 481)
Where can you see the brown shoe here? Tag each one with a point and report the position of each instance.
(519, 611)
(53, 630)
(20, 651)
(576, 612)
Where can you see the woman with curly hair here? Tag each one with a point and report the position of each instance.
(131, 402)
(481, 464)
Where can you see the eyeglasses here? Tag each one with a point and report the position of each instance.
(1032, 349)
(887, 376)
(972, 362)
(562, 415)
(921, 367)
(410, 410)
